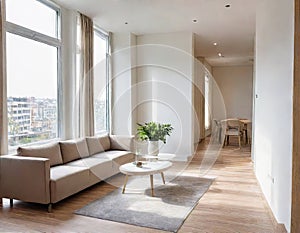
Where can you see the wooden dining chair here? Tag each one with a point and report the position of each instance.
(233, 129)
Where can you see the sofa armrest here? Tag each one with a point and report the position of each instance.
(25, 178)
(122, 142)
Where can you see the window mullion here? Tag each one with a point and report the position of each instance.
(30, 34)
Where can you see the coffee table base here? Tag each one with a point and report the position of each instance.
(151, 182)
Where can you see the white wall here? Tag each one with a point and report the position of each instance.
(273, 105)
(68, 54)
(123, 116)
(165, 77)
(152, 77)
(236, 86)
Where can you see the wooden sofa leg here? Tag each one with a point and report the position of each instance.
(11, 202)
(50, 208)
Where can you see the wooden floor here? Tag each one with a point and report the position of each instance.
(233, 203)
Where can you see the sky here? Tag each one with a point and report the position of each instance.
(31, 66)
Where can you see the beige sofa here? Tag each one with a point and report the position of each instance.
(49, 173)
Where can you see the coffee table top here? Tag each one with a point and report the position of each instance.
(148, 168)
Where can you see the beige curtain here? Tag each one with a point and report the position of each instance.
(86, 93)
(3, 100)
(201, 103)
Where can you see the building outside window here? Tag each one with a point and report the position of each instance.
(33, 55)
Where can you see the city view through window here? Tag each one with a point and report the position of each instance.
(31, 90)
(32, 75)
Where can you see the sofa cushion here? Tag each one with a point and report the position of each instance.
(50, 151)
(117, 156)
(98, 144)
(121, 142)
(100, 168)
(67, 180)
(74, 149)
(87, 162)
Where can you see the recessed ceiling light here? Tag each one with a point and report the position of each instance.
(215, 43)
(195, 20)
(227, 5)
(126, 22)
(220, 54)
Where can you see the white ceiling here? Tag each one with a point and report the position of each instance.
(232, 28)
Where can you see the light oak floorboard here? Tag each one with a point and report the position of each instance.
(233, 203)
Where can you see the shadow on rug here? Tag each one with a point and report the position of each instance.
(166, 211)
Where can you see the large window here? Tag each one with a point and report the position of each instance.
(101, 89)
(33, 49)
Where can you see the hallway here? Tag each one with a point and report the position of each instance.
(234, 202)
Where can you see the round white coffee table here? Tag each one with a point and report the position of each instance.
(148, 168)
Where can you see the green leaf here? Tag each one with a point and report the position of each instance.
(154, 131)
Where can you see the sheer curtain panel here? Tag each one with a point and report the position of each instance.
(86, 105)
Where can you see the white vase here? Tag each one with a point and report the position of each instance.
(153, 148)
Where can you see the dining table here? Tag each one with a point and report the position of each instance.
(245, 123)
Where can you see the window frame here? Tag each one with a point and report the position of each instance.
(103, 34)
(51, 41)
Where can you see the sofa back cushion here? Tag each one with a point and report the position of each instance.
(121, 142)
(98, 144)
(49, 151)
(74, 149)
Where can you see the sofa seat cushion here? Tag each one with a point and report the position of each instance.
(67, 180)
(89, 162)
(117, 156)
(98, 144)
(101, 168)
(74, 149)
(50, 151)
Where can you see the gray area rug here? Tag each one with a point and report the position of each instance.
(166, 211)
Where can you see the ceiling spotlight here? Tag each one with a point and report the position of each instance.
(195, 20)
(227, 5)
(220, 54)
(215, 43)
